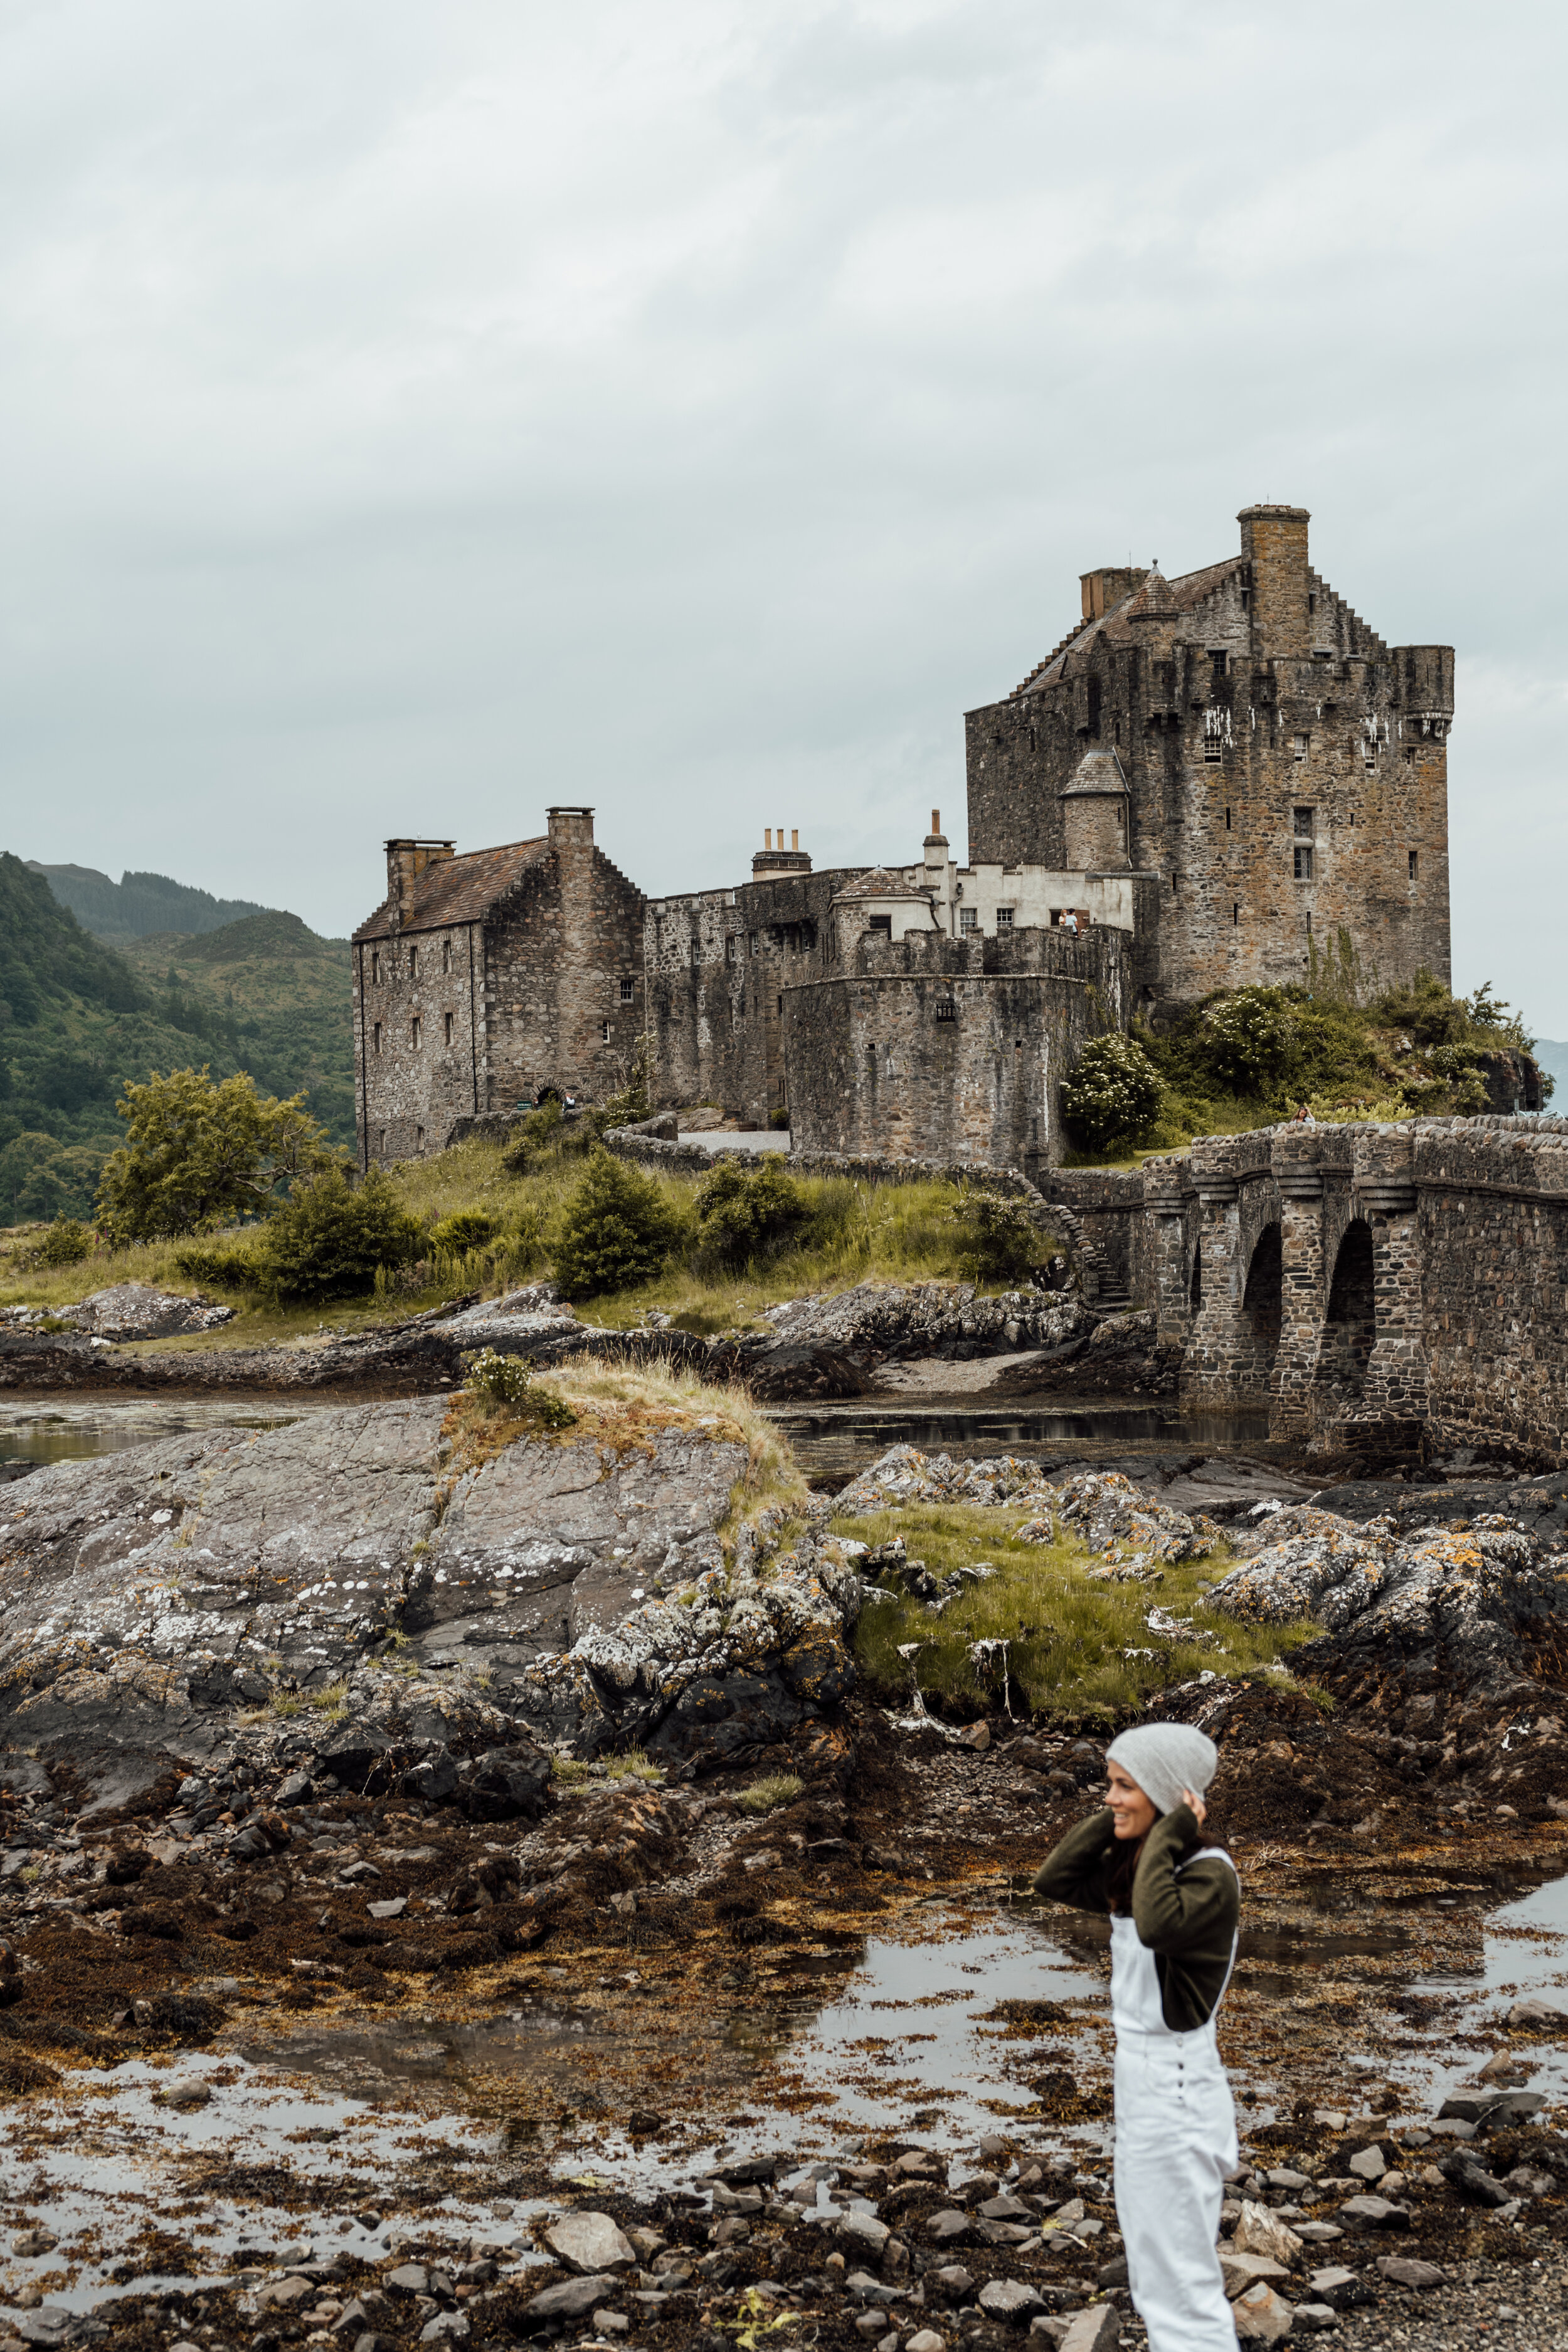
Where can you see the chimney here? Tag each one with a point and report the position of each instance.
(936, 842)
(769, 860)
(1274, 542)
(1103, 590)
(405, 861)
(570, 828)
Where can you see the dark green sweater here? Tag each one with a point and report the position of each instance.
(1188, 1922)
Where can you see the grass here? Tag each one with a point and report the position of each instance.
(771, 1793)
(572, 1772)
(1075, 1646)
(854, 1232)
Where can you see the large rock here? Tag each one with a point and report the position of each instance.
(157, 1597)
(1473, 1612)
(590, 2243)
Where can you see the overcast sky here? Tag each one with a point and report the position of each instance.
(415, 412)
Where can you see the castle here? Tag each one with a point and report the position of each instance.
(1213, 781)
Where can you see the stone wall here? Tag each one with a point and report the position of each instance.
(563, 988)
(936, 1049)
(1402, 1285)
(718, 962)
(418, 1025)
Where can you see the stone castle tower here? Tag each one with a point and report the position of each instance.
(1244, 739)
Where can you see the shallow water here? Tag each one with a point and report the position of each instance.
(79, 1433)
(848, 1436)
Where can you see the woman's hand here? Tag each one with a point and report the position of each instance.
(1199, 1810)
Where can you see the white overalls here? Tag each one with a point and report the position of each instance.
(1175, 2143)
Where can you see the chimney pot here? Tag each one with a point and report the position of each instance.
(794, 837)
(767, 836)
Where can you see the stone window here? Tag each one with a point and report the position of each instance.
(1236, 918)
(968, 919)
(729, 952)
(882, 924)
(781, 1004)
(1303, 865)
(447, 1021)
(420, 1139)
(696, 954)
(445, 955)
(604, 1032)
(375, 1038)
(947, 1009)
(414, 1028)
(1410, 755)
(376, 955)
(1299, 744)
(413, 961)
(1415, 864)
(751, 942)
(1369, 749)
(1311, 601)
(1213, 748)
(380, 1143)
(1005, 917)
(629, 989)
(1227, 820)
(1217, 662)
(1303, 824)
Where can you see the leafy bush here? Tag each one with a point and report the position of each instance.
(330, 1236)
(225, 1269)
(467, 1229)
(746, 1213)
(1251, 1040)
(779, 1118)
(1003, 1240)
(1112, 1094)
(66, 1242)
(506, 1383)
(198, 1154)
(617, 1230)
(540, 1133)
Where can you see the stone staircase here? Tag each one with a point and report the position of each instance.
(1103, 1289)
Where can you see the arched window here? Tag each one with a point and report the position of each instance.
(1352, 1323)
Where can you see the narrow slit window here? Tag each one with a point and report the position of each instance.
(1410, 755)
(1302, 823)
(413, 1032)
(375, 960)
(629, 988)
(1414, 865)
(420, 1139)
(1299, 744)
(604, 1032)
(380, 1143)
(1227, 820)
(1235, 917)
(375, 1038)
(445, 955)
(413, 962)
(447, 1023)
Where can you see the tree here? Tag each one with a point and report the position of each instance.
(198, 1154)
(746, 1213)
(1250, 1038)
(1114, 1092)
(331, 1234)
(615, 1231)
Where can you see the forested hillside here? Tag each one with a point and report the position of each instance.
(78, 1019)
(139, 903)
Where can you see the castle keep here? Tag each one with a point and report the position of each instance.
(1214, 780)
(1244, 738)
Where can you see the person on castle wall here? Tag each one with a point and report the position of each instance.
(1174, 1906)
(1301, 1116)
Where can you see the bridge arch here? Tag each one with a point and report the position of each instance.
(1263, 1299)
(1350, 1323)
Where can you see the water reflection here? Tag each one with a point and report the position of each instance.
(79, 1433)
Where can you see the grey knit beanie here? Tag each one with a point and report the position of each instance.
(1164, 1758)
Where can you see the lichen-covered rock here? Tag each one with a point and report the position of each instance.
(334, 1584)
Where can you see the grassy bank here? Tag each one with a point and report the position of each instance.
(850, 1233)
(1075, 1645)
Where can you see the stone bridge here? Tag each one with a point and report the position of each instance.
(1398, 1285)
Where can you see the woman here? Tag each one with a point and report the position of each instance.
(1173, 1907)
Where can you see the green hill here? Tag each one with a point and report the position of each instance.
(79, 1019)
(138, 904)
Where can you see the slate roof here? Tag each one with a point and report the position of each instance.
(1154, 594)
(458, 889)
(879, 883)
(1096, 774)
